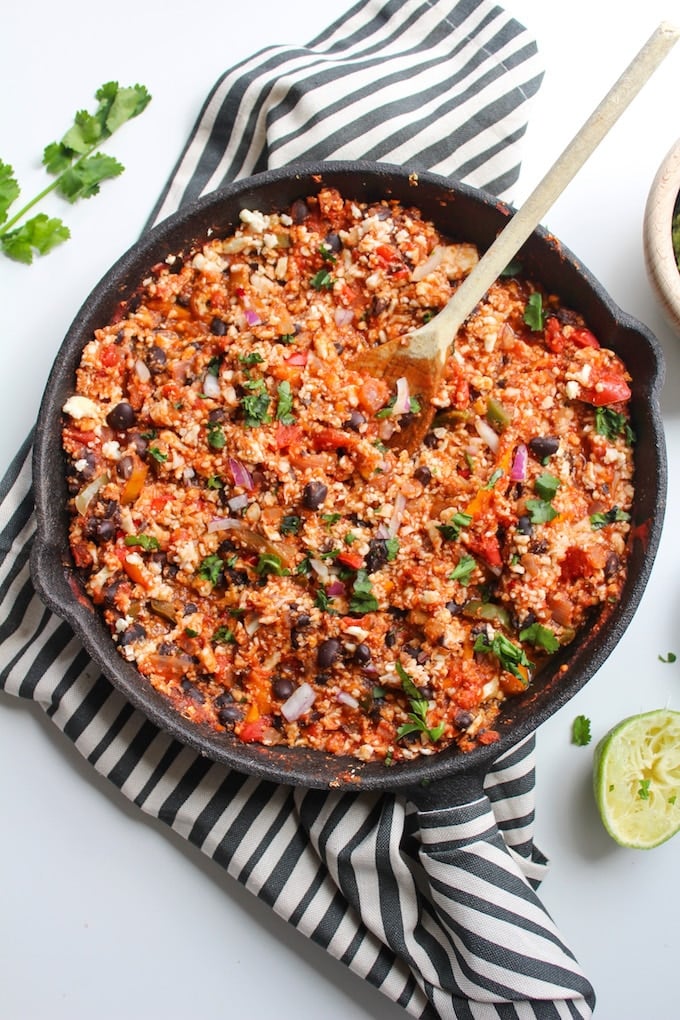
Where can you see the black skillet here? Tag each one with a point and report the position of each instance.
(462, 214)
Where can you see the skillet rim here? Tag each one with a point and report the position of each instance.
(55, 579)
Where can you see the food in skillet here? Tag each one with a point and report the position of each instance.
(261, 552)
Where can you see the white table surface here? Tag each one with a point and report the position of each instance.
(105, 913)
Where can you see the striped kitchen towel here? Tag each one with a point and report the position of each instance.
(437, 909)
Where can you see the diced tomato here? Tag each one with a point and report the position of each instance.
(253, 732)
(287, 436)
(553, 336)
(584, 338)
(387, 253)
(575, 564)
(487, 547)
(607, 387)
(333, 439)
(373, 394)
(350, 559)
(488, 736)
(110, 355)
(297, 358)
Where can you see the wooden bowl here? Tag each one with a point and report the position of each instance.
(660, 259)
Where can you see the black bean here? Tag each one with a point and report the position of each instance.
(362, 654)
(430, 440)
(303, 620)
(109, 592)
(193, 691)
(612, 564)
(217, 414)
(376, 557)
(327, 652)
(355, 420)
(463, 719)
(314, 494)
(332, 241)
(100, 530)
(135, 632)
(299, 211)
(218, 327)
(524, 525)
(124, 467)
(121, 417)
(377, 305)
(140, 444)
(189, 609)
(426, 692)
(282, 687)
(454, 608)
(543, 446)
(230, 714)
(156, 359)
(423, 474)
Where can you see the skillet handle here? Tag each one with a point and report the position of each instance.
(480, 872)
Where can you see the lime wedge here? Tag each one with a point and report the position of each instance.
(637, 779)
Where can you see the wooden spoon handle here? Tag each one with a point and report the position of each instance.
(526, 219)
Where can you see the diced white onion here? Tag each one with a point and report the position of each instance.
(300, 701)
(402, 404)
(343, 316)
(238, 502)
(141, 371)
(87, 494)
(430, 264)
(251, 624)
(211, 385)
(397, 514)
(486, 433)
(321, 569)
(223, 524)
(346, 699)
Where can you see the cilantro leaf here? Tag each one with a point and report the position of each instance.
(362, 599)
(546, 485)
(533, 313)
(210, 569)
(611, 424)
(601, 520)
(509, 655)
(9, 189)
(147, 542)
(452, 530)
(78, 170)
(284, 408)
(541, 511)
(223, 635)
(39, 235)
(270, 563)
(540, 637)
(290, 524)
(82, 180)
(671, 657)
(464, 569)
(321, 280)
(418, 714)
(580, 731)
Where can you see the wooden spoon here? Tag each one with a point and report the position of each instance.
(420, 356)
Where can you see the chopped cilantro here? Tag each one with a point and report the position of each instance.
(323, 601)
(214, 482)
(147, 542)
(290, 524)
(546, 485)
(540, 637)
(321, 280)
(157, 454)
(330, 519)
(362, 599)
(392, 548)
(284, 407)
(190, 632)
(270, 563)
(210, 569)
(224, 636)
(452, 530)
(326, 253)
(541, 511)
(216, 436)
(671, 657)
(256, 409)
(610, 424)
(496, 476)
(601, 520)
(253, 358)
(509, 655)
(463, 570)
(580, 731)
(213, 366)
(418, 714)
(533, 313)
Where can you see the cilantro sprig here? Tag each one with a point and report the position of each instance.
(78, 169)
(418, 714)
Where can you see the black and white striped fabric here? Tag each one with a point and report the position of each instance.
(437, 909)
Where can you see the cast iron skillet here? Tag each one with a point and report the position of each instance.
(463, 214)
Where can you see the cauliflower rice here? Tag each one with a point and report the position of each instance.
(264, 555)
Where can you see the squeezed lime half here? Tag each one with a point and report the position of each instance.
(637, 779)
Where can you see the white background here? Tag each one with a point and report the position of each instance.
(104, 913)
